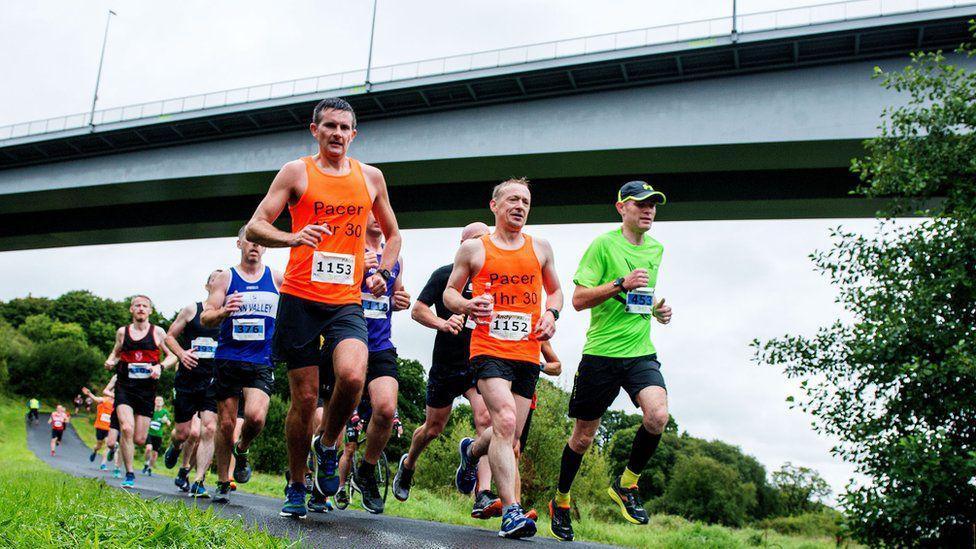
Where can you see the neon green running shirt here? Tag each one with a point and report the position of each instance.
(156, 423)
(614, 332)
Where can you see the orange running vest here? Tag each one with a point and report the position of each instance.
(332, 273)
(103, 415)
(515, 278)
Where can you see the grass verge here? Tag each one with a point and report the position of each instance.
(44, 508)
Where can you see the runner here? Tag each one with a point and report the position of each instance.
(195, 413)
(354, 429)
(616, 279)
(508, 271)
(329, 196)
(135, 359)
(155, 439)
(243, 301)
(103, 419)
(551, 366)
(33, 410)
(79, 401)
(58, 420)
(450, 377)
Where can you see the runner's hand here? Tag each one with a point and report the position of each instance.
(310, 235)
(662, 312)
(371, 262)
(546, 327)
(111, 362)
(481, 305)
(155, 371)
(189, 359)
(453, 325)
(636, 279)
(232, 304)
(401, 300)
(376, 285)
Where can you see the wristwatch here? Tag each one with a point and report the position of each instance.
(555, 312)
(385, 274)
(619, 283)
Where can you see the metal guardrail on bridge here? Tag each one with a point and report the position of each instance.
(673, 33)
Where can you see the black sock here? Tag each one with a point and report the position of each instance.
(568, 468)
(644, 446)
(367, 470)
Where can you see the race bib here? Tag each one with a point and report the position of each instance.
(332, 268)
(105, 418)
(375, 307)
(155, 425)
(205, 347)
(59, 425)
(249, 329)
(640, 301)
(510, 326)
(140, 370)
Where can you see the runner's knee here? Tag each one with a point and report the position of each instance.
(482, 419)
(503, 423)
(656, 419)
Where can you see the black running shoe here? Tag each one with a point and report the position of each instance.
(560, 523)
(242, 471)
(486, 506)
(182, 481)
(223, 492)
(111, 453)
(402, 480)
(171, 456)
(629, 500)
(372, 501)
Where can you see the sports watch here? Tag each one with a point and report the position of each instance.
(619, 283)
(385, 274)
(555, 312)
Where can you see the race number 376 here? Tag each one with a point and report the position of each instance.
(332, 268)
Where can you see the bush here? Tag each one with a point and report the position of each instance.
(812, 524)
(268, 452)
(56, 368)
(703, 489)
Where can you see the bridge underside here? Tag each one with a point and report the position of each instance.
(756, 181)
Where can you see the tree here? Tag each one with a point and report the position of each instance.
(56, 368)
(896, 384)
(40, 329)
(18, 309)
(704, 489)
(801, 488)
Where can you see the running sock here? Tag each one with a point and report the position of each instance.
(643, 448)
(366, 469)
(568, 468)
(562, 499)
(628, 479)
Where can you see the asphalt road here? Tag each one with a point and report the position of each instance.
(349, 528)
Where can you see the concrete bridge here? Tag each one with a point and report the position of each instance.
(750, 124)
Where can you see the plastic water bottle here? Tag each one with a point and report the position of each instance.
(486, 319)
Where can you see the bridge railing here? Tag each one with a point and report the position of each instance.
(690, 31)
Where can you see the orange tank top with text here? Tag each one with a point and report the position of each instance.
(332, 273)
(514, 279)
(103, 414)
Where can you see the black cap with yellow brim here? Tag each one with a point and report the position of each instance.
(638, 191)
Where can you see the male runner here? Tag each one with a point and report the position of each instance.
(450, 377)
(103, 419)
(243, 302)
(155, 439)
(33, 410)
(58, 420)
(508, 271)
(135, 358)
(551, 366)
(616, 279)
(196, 414)
(329, 197)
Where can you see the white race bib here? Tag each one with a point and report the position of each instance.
(105, 418)
(155, 425)
(140, 370)
(640, 301)
(375, 307)
(333, 268)
(470, 323)
(249, 329)
(510, 326)
(205, 347)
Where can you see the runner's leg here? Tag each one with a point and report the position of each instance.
(205, 448)
(226, 421)
(433, 426)
(383, 396)
(482, 420)
(255, 412)
(304, 388)
(127, 429)
(497, 442)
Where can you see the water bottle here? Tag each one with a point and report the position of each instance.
(486, 319)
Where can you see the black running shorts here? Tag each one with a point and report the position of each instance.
(155, 441)
(57, 433)
(139, 399)
(189, 402)
(599, 380)
(523, 375)
(231, 377)
(101, 434)
(301, 322)
(446, 382)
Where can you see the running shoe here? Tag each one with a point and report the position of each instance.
(242, 471)
(294, 501)
(629, 500)
(233, 486)
(532, 514)
(52, 453)
(560, 522)
(466, 475)
(145, 468)
(486, 505)
(148, 471)
(91, 458)
(342, 497)
(116, 473)
(111, 453)
(181, 481)
(366, 484)
(326, 468)
(402, 480)
(129, 481)
(171, 456)
(515, 524)
(319, 504)
(198, 490)
(103, 467)
(223, 492)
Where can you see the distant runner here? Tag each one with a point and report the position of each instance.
(58, 421)
(103, 418)
(155, 439)
(616, 280)
(33, 410)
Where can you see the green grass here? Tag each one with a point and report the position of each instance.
(40, 507)
(597, 522)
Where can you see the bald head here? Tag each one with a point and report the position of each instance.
(474, 230)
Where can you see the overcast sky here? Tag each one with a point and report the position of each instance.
(728, 282)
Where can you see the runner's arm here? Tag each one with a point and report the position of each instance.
(176, 328)
(546, 326)
(169, 358)
(89, 394)
(383, 212)
(401, 298)
(261, 229)
(111, 384)
(551, 366)
(214, 308)
(113, 357)
(453, 299)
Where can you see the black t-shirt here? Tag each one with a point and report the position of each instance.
(449, 350)
(195, 378)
